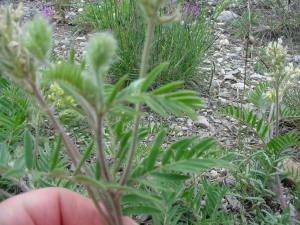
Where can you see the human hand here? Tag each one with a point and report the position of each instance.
(51, 206)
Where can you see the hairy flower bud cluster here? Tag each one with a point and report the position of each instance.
(101, 51)
(14, 59)
(150, 9)
(22, 49)
(283, 75)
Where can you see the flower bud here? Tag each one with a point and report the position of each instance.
(251, 40)
(271, 94)
(37, 38)
(101, 50)
(51, 97)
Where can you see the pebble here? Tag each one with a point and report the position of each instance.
(256, 76)
(82, 44)
(297, 58)
(227, 16)
(81, 38)
(65, 42)
(201, 122)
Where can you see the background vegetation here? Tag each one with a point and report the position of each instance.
(169, 198)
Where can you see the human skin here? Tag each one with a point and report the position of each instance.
(51, 206)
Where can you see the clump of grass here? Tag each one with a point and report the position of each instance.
(183, 44)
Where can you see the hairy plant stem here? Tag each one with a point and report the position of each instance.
(101, 154)
(243, 94)
(21, 184)
(278, 182)
(116, 205)
(2, 192)
(69, 145)
(143, 70)
(100, 211)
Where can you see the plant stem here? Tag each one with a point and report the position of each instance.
(2, 192)
(116, 201)
(100, 211)
(70, 147)
(101, 153)
(278, 182)
(144, 64)
(280, 193)
(21, 184)
(242, 97)
(277, 112)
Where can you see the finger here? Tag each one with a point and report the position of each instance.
(51, 206)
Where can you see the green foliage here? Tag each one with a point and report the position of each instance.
(259, 97)
(291, 100)
(260, 126)
(260, 167)
(109, 173)
(265, 217)
(183, 44)
(14, 112)
(241, 26)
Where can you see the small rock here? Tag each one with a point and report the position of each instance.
(256, 76)
(213, 173)
(178, 128)
(226, 94)
(66, 42)
(293, 211)
(217, 121)
(226, 16)
(203, 134)
(217, 54)
(238, 49)
(224, 42)
(220, 60)
(235, 72)
(230, 77)
(222, 71)
(202, 122)
(185, 128)
(239, 86)
(229, 181)
(82, 44)
(172, 118)
(297, 58)
(224, 206)
(81, 38)
(226, 84)
(206, 69)
(233, 56)
(234, 202)
(223, 173)
(181, 119)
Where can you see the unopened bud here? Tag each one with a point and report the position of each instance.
(251, 40)
(101, 50)
(37, 38)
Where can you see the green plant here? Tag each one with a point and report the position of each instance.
(183, 44)
(265, 123)
(14, 113)
(248, 19)
(24, 49)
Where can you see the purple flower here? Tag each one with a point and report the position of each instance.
(191, 10)
(49, 13)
